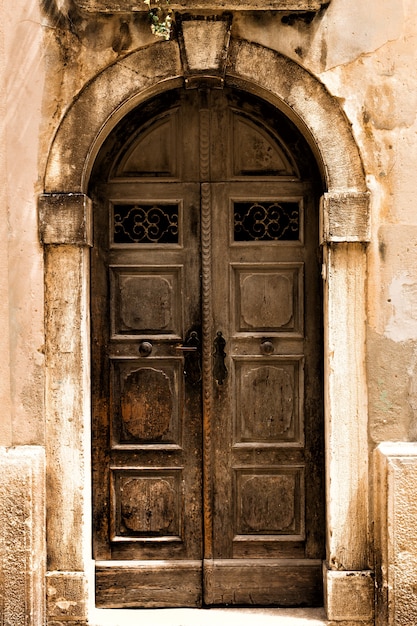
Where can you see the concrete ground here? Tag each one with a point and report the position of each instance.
(209, 617)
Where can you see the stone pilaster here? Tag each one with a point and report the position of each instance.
(22, 536)
(65, 231)
(348, 582)
(395, 533)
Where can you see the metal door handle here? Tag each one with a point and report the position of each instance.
(145, 348)
(192, 365)
(267, 347)
(219, 355)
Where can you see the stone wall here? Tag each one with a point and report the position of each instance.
(364, 55)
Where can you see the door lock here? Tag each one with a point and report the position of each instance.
(219, 355)
(192, 364)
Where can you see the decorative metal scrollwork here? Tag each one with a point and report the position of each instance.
(145, 223)
(270, 221)
(219, 355)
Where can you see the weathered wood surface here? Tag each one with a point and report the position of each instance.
(234, 473)
(148, 585)
(284, 583)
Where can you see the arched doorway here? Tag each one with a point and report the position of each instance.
(65, 231)
(208, 458)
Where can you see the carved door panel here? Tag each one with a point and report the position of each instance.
(207, 386)
(267, 466)
(147, 436)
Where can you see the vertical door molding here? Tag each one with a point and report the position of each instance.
(65, 232)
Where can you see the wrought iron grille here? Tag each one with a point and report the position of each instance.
(145, 223)
(266, 221)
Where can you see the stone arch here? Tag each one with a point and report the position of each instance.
(145, 72)
(65, 231)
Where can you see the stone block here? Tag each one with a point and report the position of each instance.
(22, 536)
(349, 596)
(66, 597)
(204, 45)
(65, 218)
(345, 217)
(124, 6)
(65, 622)
(395, 533)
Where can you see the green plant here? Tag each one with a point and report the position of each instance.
(161, 18)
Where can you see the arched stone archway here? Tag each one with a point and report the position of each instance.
(65, 230)
(145, 72)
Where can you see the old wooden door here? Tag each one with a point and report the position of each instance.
(207, 385)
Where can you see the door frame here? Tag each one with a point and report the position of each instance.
(66, 233)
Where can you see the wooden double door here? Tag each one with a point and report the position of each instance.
(206, 343)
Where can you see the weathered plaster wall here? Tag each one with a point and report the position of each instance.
(5, 418)
(21, 280)
(379, 91)
(364, 52)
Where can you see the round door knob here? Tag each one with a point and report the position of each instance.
(145, 348)
(267, 347)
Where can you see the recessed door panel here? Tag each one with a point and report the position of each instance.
(146, 300)
(268, 298)
(147, 505)
(207, 385)
(268, 400)
(147, 401)
(269, 502)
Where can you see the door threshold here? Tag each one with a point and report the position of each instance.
(208, 617)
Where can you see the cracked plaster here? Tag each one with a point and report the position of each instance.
(364, 53)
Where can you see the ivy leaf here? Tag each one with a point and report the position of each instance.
(161, 21)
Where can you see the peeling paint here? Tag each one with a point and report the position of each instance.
(354, 28)
(364, 55)
(402, 325)
(412, 394)
(384, 404)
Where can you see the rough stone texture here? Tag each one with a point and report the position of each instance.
(120, 86)
(345, 217)
(22, 536)
(349, 595)
(198, 38)
(204, 46)
(355, 60)
(112, 6)
(6, 432)
(345, 405)
(395, 533)
(66, 598)
(65, 219)
(68, 409)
